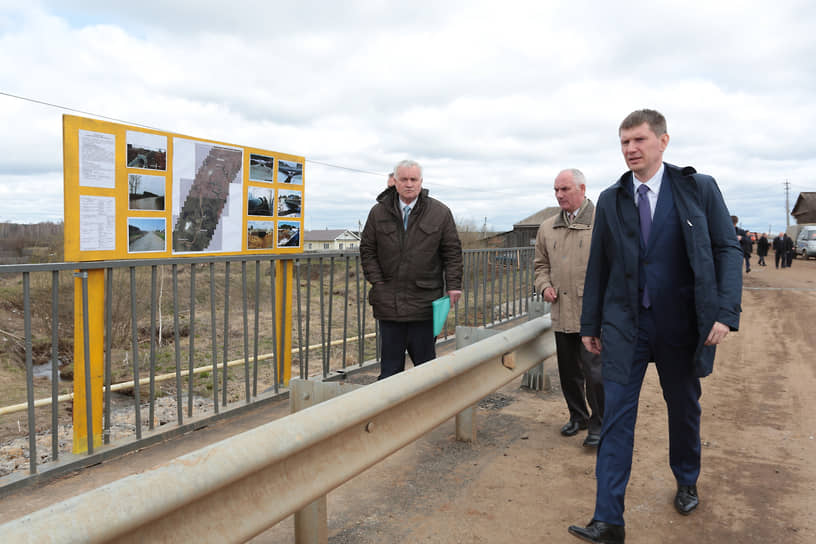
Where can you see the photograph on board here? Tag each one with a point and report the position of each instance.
(290, 172)
(208, 197)
(146, 192)
(147, 151)
(259, 201)
(261, 168)
(289, 203)
(146, 234)
(288, 234)
(260, 235)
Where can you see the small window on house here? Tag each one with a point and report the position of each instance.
(326, 245)
(341, 245)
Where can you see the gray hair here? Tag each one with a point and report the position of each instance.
(577, 176)
(407, 163)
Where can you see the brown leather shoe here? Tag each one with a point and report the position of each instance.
(599, 532)
(686, 499)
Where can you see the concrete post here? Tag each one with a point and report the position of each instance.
(536, 378)
(466, 419)
(311, 522)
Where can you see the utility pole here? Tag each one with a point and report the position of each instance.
(787, 205)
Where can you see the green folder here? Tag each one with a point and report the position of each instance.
(441, 307)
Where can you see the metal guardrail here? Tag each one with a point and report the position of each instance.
(228, 352)
(235, 489)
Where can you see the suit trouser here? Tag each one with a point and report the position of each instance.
(580, 375)
(681, 391)
(780, 256)
(397, 337)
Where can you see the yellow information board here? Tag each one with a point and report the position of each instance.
(137, 193)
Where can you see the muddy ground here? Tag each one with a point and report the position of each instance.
(522, 482)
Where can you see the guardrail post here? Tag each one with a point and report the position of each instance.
(535, 378)
(311, 522)
(466, 419)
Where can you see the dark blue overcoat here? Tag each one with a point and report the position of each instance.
(611, 296)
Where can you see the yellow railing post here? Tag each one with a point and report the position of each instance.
(96, 336)
(283, 327)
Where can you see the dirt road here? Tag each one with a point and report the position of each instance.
(522, 482)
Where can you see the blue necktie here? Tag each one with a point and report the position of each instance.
(645, 212)
(406, 211)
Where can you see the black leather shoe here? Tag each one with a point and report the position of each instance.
(571, 428)
(592, 440)
(600, 532)
(686, 499)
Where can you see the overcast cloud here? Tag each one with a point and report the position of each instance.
(493, 98)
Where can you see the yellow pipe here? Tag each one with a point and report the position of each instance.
(124, 386)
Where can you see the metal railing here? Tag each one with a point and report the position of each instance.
(217, 353)
(212, 495)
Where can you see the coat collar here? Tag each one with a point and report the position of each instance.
(583, 218)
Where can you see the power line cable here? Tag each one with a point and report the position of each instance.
(126, 122)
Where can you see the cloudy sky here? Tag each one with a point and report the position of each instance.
(493, 98)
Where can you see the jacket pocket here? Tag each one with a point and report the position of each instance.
(429, 284)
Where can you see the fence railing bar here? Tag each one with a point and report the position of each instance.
(256, 334)
(214, 343)
(177, 349)
(54, 365)
(226, 338)
(244, 303)
(86, 340)
(29, 363)
(276, 349)
(191, 354)
(152, 369)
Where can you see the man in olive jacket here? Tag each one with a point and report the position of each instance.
(561, 254)
(410, 253)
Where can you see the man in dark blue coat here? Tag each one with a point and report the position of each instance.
(663, 284)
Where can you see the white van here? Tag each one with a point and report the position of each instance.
(806, 242)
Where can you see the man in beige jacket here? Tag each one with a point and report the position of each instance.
(561, 254)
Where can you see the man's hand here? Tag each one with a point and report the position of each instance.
(454, 296)
(549, 294)
(717, 334)
(592, 344)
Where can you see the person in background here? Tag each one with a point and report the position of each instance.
(663, 284)
(788, 250)
(561, 253)
(744, 239)
(762, 249)
(780, 255)
(410, 253)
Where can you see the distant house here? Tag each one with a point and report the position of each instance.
(330, 240)
(804, 211)
(524, 232)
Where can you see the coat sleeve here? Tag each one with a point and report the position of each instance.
(597, 274)
(368, 250)
(450, 251)
(727, 255)
(542, 261)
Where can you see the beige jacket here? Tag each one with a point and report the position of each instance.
(561, 255)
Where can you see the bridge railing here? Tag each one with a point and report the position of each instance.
(201, 337)
(235, 489)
